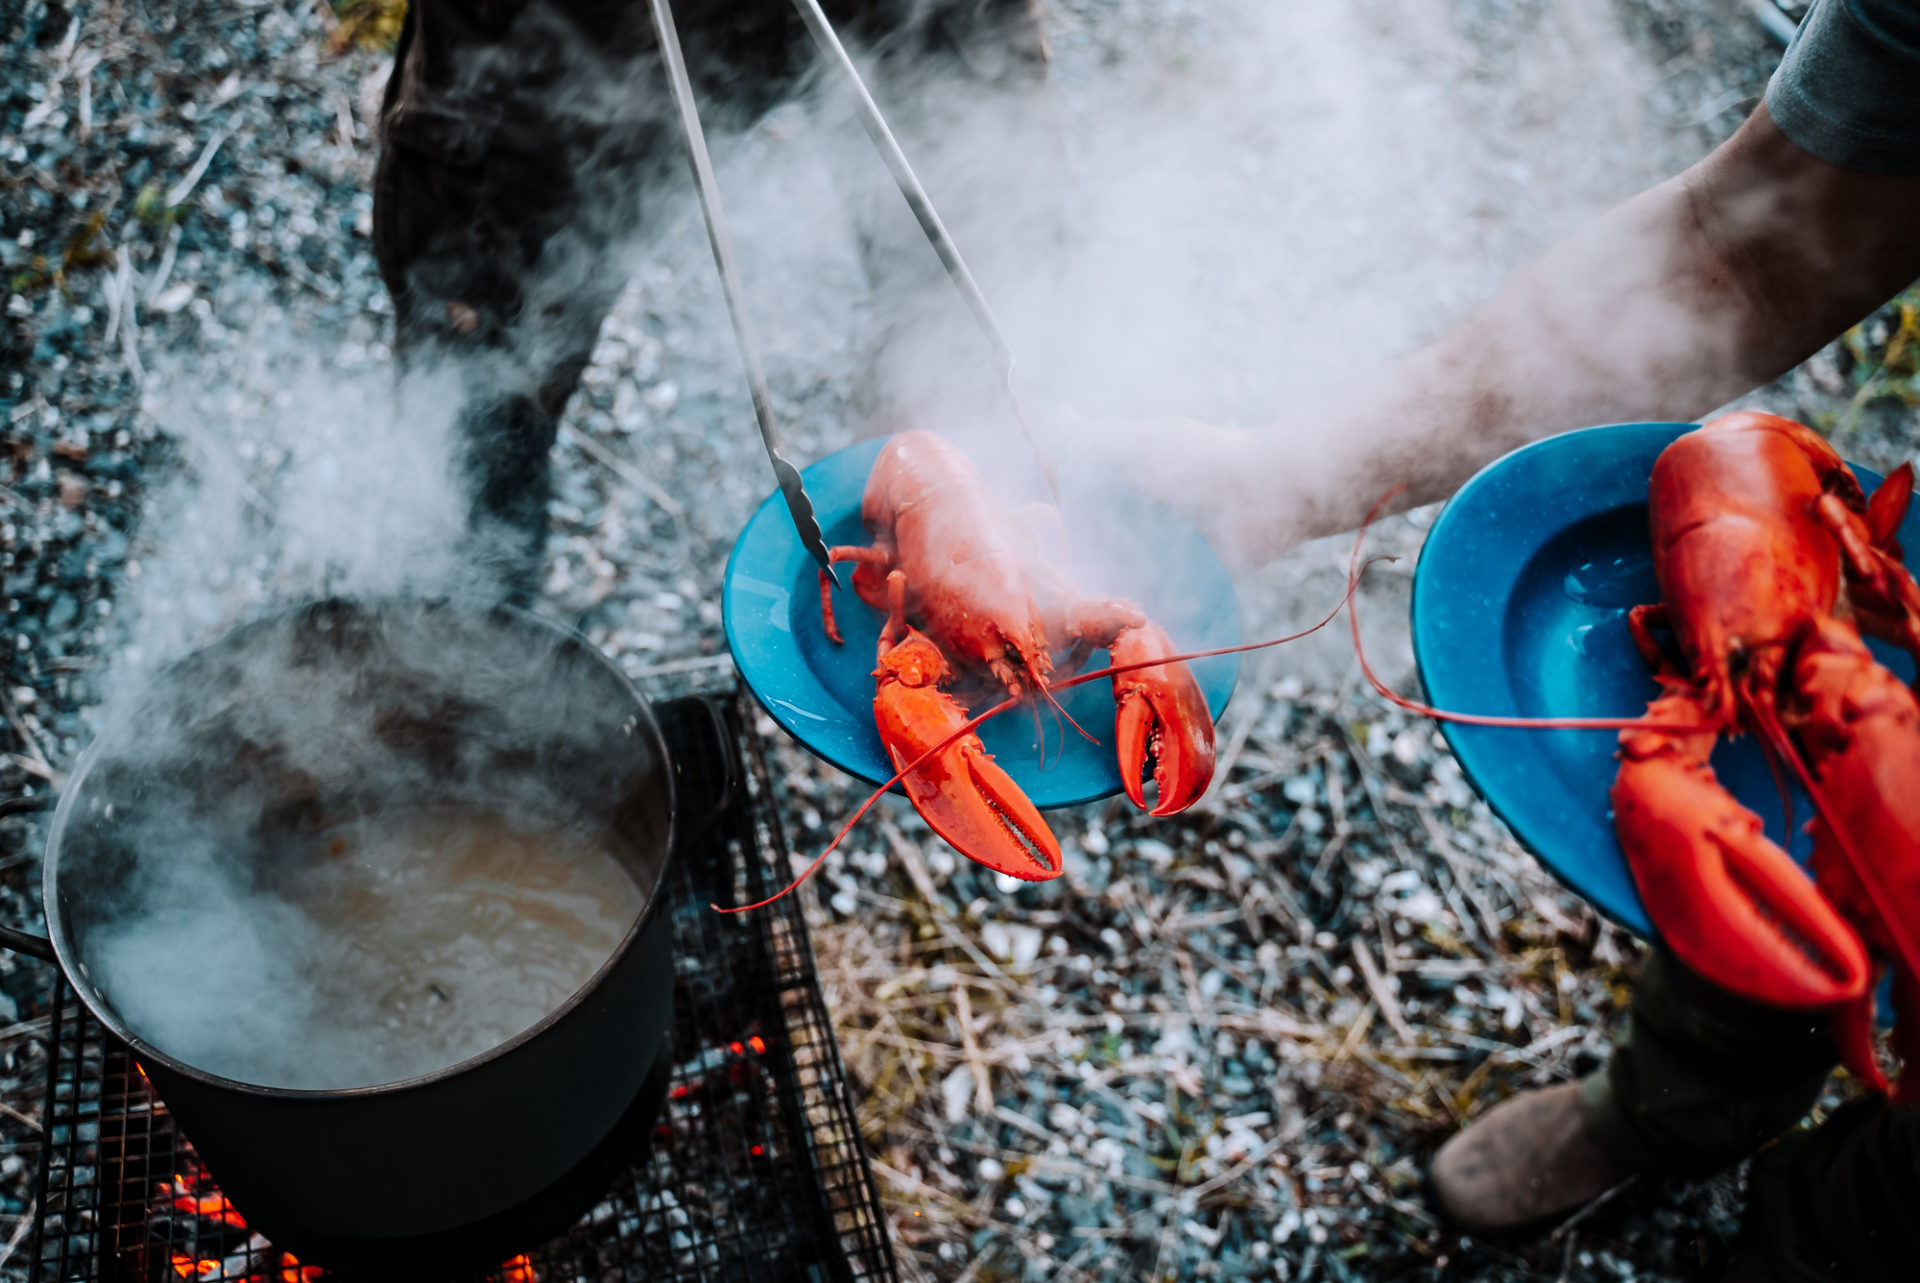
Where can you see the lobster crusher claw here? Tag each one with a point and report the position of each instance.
(961, 791)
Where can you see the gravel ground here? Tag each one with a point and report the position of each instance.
(1220, 1046)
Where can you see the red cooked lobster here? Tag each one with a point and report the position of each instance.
(951, 572)
(1771, 563)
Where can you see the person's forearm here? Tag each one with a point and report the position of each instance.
(1674, 303)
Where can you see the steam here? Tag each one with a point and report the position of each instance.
(352, 845)
(1216, 211)
(1225, 211)
(295, 480)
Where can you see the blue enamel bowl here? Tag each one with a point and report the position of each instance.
(823, 694)
(1520, 608)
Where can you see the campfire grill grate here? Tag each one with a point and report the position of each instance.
(754, 1171)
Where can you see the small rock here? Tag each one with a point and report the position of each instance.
(956, 1093)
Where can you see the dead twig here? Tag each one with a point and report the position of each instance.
(28, 740)
(184, 188)
(1382, 993)
(19, 1233)
(970, 1047)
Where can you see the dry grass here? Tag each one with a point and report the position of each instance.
(1218, 1043)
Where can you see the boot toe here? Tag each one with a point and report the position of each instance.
(1529, 1160)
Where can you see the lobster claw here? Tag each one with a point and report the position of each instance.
(1160, 713)
(960, 791)
(1729, 902)
(1861, 734)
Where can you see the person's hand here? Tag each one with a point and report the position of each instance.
(1209, 474)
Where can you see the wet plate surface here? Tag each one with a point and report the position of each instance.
(1520, 607)
(823, 694)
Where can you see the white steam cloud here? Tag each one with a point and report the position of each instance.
(1215, 210)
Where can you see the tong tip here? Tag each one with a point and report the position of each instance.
(805, 523)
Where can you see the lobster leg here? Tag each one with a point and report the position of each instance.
(872, 564)
(1641, 621)
(1884, 595)
(1729, 902)
(1852, 1025)
(960, 791)
(1160, 713)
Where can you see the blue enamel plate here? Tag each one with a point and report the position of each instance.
(823, 693)
(1520, 607)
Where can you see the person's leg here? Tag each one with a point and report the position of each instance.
(506, 169)
(1839, 1203)
(1701, 1080)
(517, 139)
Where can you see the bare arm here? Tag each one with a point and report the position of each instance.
(1670, 305)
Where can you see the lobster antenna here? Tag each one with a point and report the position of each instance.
(973, 723)
(867, 805)
(1771, 753)
(1356, 568)
(1061, 711)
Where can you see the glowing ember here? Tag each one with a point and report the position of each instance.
(291, 1271)
(213, 1206)
(188, 1268)
(518, 1270)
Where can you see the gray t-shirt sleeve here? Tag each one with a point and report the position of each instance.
(1848, 89)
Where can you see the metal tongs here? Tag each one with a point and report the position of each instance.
(798, 504)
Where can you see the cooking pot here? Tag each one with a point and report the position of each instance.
(345, 709)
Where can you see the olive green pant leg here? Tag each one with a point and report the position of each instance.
(1840, 1203)
(1702, 1078)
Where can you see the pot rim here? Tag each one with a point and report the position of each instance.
(145, 1053)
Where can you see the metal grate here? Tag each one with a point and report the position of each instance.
(754, 1169)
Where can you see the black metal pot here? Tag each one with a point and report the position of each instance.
(442, 701)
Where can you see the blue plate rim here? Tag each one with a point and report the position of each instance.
(1474, 748)
(1472, 751)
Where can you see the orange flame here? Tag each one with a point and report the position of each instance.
(758, 1044)
(291, 1271)
(518, 1270)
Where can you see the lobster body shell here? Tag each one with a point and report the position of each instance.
(966, 581)
(1743, 560)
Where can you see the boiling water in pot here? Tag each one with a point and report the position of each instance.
(396, 946)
